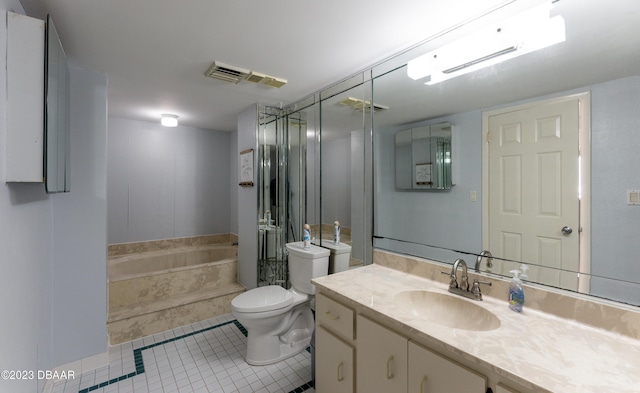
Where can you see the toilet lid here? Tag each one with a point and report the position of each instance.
(271, 297)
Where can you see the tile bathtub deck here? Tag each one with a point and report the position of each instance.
(204, 357)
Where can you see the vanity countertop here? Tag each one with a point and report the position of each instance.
(534, 349)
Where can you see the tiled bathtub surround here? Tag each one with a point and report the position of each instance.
(165, 244)
(154, 290)
(203, 357)
(535, 350)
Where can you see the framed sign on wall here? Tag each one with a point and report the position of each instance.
(246, 168)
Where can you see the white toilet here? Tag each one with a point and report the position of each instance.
(279, 322)
(340, 255)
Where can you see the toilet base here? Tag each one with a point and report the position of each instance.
(292, 336)
(286, 351)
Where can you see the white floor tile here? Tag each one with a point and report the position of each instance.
(206, 357)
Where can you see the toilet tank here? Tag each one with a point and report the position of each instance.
(305, 265)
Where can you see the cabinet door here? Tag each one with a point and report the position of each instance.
(503, 389)
(381, 358)
(431, 373)
(334, 316)
(334, 364)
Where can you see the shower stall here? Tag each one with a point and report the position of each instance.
(281, 182)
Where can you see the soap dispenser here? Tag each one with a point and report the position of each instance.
(516, 293)
(524, 276)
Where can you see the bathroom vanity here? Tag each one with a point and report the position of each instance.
(393, 327)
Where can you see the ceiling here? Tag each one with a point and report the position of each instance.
(601, 45)
(155, 52)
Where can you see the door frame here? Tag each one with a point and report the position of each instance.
(584, 137)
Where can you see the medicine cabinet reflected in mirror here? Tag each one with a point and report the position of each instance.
(423, 158)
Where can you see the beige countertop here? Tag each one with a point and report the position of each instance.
(536, 350)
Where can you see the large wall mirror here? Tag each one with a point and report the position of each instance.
(598, 67)
(345, 116)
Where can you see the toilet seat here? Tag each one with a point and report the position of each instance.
(261, 299)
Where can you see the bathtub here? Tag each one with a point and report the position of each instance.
(163, 261)
(153, 291)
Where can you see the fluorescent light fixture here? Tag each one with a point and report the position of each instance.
(169, 120)
(527, 32)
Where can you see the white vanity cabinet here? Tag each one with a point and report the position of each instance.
(334, 363)
(503, 389)
(355, 353)
(389, 362)
(335, 354)
(430, 372)
(381, 358)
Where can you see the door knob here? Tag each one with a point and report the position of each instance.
(566, 231)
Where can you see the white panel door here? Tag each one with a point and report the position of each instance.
(533, 189)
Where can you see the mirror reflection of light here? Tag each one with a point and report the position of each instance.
(527, 32)
(579, 178)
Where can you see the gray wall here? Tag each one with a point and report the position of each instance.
(336, 181)
(233, 181)
(53, 247)
(26, 259)
(80, 228)
(615, 139)
(356, 191)
(445, 218)
(248, 202)
(166, 182)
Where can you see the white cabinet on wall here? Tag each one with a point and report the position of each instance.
(25, 99)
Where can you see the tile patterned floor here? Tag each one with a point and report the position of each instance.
(204, 357)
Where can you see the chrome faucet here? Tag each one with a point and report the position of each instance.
(484, 253)
(463, 289)
(464, 283)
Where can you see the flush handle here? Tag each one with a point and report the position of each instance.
(567, 230)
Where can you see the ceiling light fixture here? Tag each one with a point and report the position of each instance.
(527, 32)
(169, 120)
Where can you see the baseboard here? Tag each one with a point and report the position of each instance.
(77, 368)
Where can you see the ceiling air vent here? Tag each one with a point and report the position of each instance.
(361, 105)
(227, 73)
(257, 77)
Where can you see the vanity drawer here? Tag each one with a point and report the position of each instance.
(334, 316)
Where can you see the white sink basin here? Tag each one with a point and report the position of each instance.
(447, 310)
